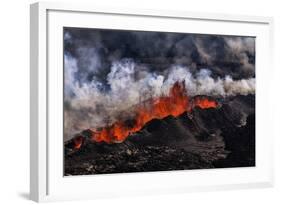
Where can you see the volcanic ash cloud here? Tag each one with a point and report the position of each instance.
(93, 104)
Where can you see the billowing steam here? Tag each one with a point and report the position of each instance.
(108, 72)
(96, 50)
(93, 104)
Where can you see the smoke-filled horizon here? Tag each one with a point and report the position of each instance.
(107, 72)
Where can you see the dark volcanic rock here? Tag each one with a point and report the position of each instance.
(204, 138)
(147, 158)
(241, 142)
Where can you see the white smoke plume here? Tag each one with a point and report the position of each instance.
(89, 106)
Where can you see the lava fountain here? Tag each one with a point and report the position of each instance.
(176, 103)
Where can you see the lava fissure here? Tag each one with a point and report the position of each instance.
(176, 103)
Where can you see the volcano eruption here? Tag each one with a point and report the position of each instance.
(128, 108)
(176, 103)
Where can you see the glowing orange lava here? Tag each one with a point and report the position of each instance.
(176, 103)
(204, 103)
(78, 141)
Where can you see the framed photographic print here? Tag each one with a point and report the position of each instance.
(127, 102)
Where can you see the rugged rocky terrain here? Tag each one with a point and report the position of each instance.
(203, 138)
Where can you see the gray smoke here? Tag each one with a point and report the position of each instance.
(108, 72)
(87, 105)
(96, 50)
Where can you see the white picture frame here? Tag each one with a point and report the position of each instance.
(47, 182)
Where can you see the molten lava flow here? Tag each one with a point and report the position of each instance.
(77, 142)
(176, 103)
(204, 103)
